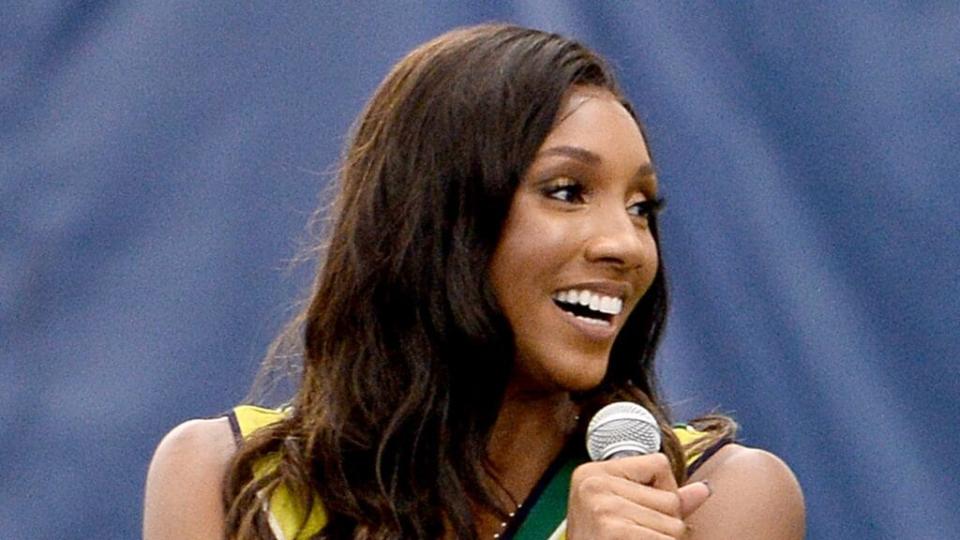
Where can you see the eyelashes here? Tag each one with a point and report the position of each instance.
(565, 190)
(648, 207)
(571, 191)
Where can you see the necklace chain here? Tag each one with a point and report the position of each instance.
(504, 524)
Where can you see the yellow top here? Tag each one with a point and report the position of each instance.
(284, 511)
(689, 435)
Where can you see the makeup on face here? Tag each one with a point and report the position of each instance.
(576, 253)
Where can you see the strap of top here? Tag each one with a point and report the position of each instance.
(284, 511)
(538, 519)
(246, 419)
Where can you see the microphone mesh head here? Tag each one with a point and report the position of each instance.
(622, 427)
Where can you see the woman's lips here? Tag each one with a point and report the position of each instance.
(594, 330)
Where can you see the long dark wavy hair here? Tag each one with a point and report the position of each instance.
(405, 352)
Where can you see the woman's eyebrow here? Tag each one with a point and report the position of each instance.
(646, 175)
(646, 170)
(592, 158)
(575, 152)
(646, 178)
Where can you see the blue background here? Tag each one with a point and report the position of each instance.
(159, 162)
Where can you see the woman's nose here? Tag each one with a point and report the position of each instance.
(615, 238)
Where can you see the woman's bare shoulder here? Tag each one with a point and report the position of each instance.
(755, 495)
(185, 481)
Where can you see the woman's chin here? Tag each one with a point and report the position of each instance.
(581, 381)
(583, 386)
(577, 383)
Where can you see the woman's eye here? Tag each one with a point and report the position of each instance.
(645, 208)
(567, 192)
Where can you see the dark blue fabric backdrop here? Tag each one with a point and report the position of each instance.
(159, 161)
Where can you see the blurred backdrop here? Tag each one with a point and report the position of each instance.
(159, 162)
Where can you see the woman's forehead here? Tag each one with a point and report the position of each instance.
(595, 119)
(579, 95)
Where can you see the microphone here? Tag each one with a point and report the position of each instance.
(618, 430)
(622, 429)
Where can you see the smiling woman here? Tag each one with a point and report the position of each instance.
(492, 278)
(577, 243)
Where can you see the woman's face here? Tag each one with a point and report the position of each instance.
(576, 253)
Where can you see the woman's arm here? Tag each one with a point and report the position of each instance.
(755, 496)
(182, 499)
(752, 495)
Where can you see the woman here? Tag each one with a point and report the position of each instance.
(492, 277)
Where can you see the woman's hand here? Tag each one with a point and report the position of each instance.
(634, 497)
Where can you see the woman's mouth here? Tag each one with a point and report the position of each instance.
(588, 306)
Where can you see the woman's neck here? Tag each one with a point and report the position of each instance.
(529, 433)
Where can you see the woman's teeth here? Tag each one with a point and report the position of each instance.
(595, 322)
(579, 300)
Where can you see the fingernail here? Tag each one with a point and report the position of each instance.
(709, 489)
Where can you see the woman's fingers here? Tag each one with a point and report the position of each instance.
(637, 494)
(692, 496)
(662, 501)
(651, 470)
(627, 530)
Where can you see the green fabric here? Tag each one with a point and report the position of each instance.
(550, 508)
